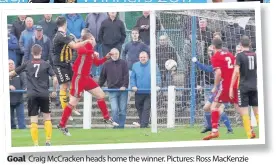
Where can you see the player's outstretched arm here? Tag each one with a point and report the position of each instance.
(205, 68)
(99, 62)
(18, 70)
(77, 45)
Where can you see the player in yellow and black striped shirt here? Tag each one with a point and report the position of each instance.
(63, 46)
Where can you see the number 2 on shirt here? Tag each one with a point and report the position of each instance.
(229, 62)
(37, 66)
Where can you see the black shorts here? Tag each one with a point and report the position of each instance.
(38, 103)
(247, 98)
(64, 73)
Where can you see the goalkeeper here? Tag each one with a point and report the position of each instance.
(207, 115)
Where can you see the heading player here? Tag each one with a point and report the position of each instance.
(62, 57)
(207, 115)
(246, 70)
(82, 81)
(38, 72)
(223, 64)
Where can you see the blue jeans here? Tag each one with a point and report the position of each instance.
(118, 101)
(19, 108)
(96, 71)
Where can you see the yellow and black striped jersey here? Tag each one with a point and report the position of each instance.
(62, 53)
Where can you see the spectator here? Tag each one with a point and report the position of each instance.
(232, 35)
(93, 23)
(42, 40)
(204, 33)
(218, 35)
(133, 49)
(16, 99)
(26, 35)
(75, 24)
(17, 28)
(13, 46)
(141, 79)
(143, 24)
(112, 33)
(49, 26)
(164, 52)
(115, 72)
(250, 31)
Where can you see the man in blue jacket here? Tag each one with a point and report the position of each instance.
(26, 35)
(75, 24)
(13, 46)
(40, 39)
(224, 118)
(132, 50)
(141, 79)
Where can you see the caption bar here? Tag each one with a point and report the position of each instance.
(131, 158)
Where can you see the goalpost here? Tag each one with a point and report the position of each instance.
(153, 71)
(181, 100)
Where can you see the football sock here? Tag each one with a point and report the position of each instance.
(257, 118)
(224, 118)
(34, 133)
(247, 125)
(103, 108)
(48, 130)
(65, 115)
(215, 120)
(63, 98)
(207, 116)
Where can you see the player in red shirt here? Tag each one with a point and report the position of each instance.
(223, 64)
(82, 81)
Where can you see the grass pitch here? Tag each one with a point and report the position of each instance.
(22, 138)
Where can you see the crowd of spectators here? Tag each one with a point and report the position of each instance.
(110, 34)
(127, 69)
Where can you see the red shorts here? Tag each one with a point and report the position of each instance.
(222, 96)
(80, 84)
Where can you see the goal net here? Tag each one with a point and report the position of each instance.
(187, 34)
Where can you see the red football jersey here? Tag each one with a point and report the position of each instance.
(225, 61)
(85, 60)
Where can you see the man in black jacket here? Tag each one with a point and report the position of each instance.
(17, 28)
(16, 99)
(165, 52)
(143, 24)
(112, 33)
(49, 26)
(115, 72)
